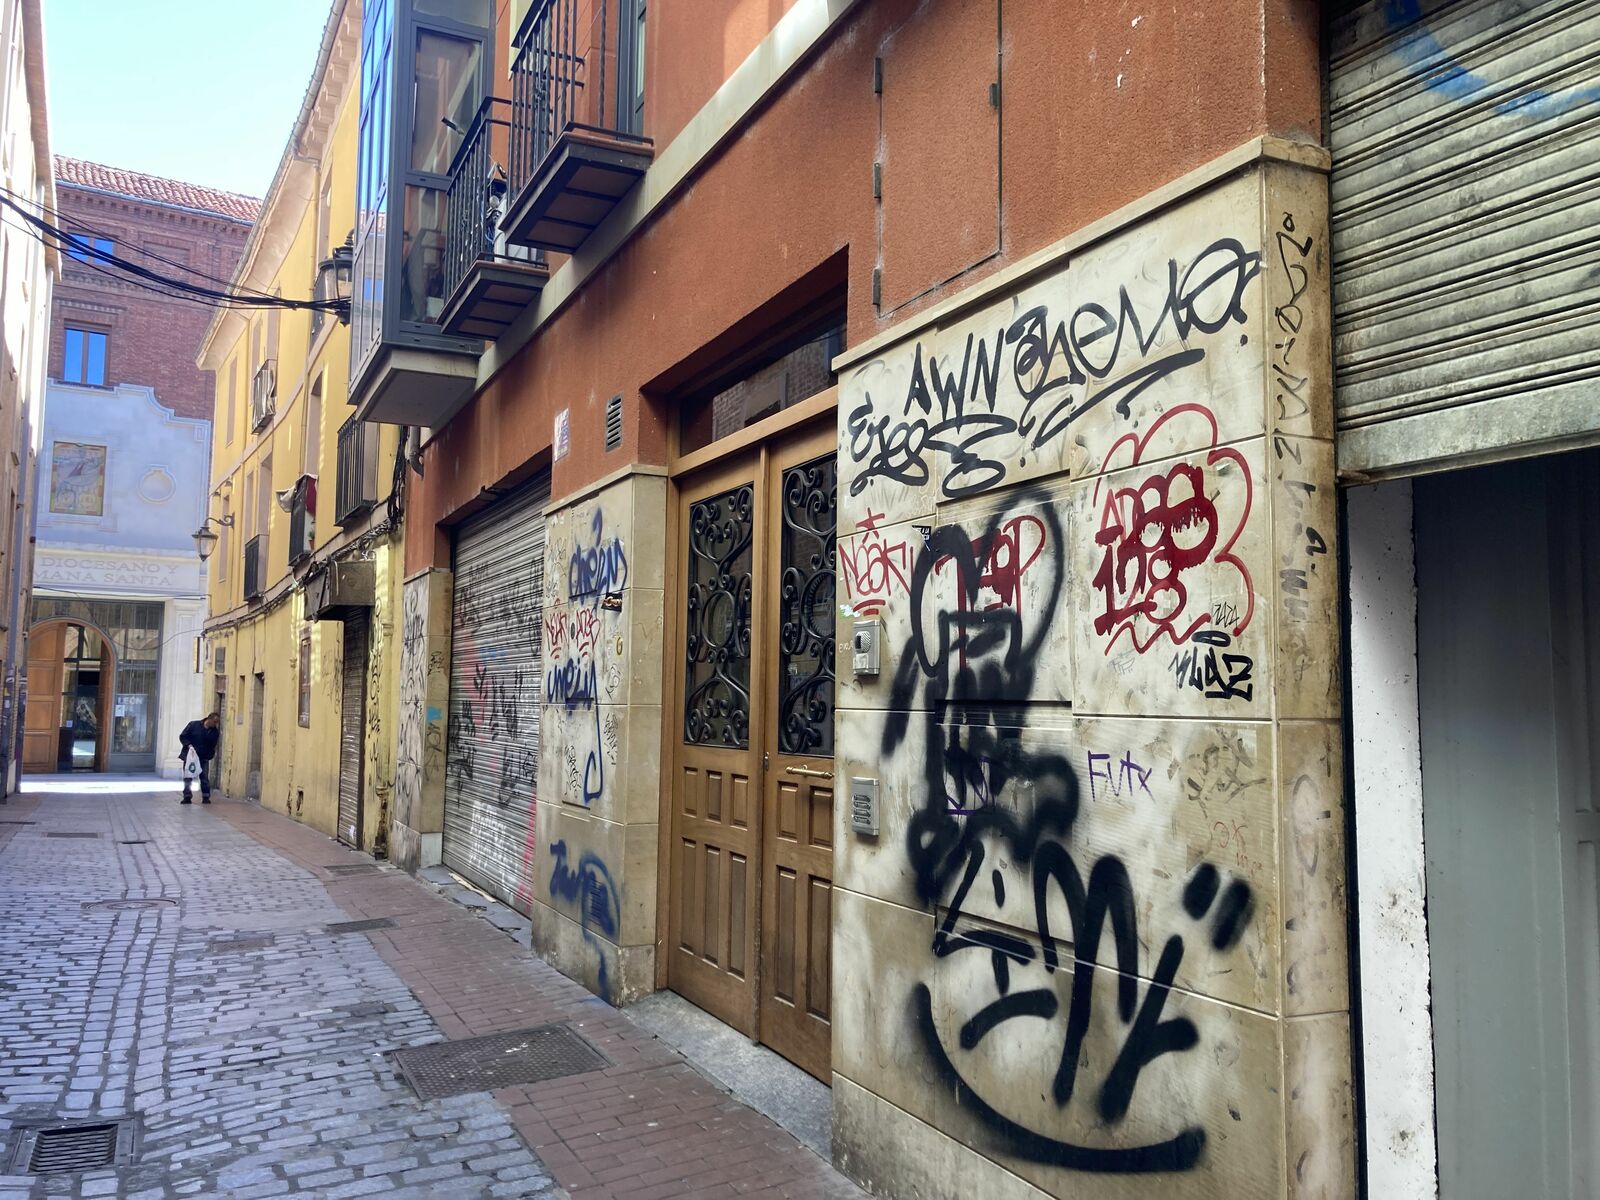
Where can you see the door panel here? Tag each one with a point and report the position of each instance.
(797, 851)
(749, 929)
(711, 939)
(41, 736)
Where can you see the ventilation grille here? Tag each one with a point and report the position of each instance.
(613, 422)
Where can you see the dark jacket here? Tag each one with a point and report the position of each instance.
(202, 739)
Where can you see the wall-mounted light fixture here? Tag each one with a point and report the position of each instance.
(205, 538)
(334, 274)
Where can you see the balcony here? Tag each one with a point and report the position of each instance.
(575, 151)
(255, 553)
(264, 394)
(356, 489)
(486, 284)
(303, 519)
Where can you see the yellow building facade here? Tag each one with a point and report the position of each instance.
(305, 578)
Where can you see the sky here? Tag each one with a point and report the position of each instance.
(205, 91)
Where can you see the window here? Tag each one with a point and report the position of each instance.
(777, 376)
(77, 479)
(321, 250)
(226, 544)
(630, 69)
(233, 398)
(305, 680)
(313, 433)
(84, 357)
(86, 248)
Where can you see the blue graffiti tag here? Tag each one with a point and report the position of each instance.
(594, 893)
(601, 567)
(1442, 72)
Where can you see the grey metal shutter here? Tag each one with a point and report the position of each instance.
(1464, 201)
(496, 675)
(352, 719)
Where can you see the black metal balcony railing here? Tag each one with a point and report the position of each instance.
(356, 489)
(254, 552)
(303, 520)
(548, 77)
(477, 198)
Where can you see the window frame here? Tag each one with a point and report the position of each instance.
(82, 361)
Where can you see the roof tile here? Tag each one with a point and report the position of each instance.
(153, 188)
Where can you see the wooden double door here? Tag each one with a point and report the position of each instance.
(752, 788)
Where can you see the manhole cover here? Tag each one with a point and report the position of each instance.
(72, 835)
(53, 1149)
(352, 869)
(129, 904)
(499, 1060)
(360, 926)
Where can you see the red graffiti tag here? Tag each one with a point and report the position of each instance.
(873, 568)
(1155, 532)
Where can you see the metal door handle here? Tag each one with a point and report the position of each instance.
(808, 772)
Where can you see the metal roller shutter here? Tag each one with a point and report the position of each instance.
(352, 719)
(492, 744)
(1464, 198)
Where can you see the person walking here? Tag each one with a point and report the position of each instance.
(200, 737)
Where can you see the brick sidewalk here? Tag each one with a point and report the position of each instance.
(647, 1127)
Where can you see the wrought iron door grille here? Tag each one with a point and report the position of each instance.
(499, 1060)
(806, 619)
(717, 619)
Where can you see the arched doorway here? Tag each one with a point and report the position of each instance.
(71, 669)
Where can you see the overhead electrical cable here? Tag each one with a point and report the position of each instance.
(52, 235)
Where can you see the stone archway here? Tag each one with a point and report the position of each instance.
(69, 660)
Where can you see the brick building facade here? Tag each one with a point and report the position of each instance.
(167, 226)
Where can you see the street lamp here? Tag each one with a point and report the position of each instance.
(338, 269)
(205, 538)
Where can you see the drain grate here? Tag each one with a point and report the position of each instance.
(13, 822)
(129, 904)
(60, 834)
(235, 945)
(353, 869)
(54, 1149)
(133, 842)
(499, 1060)
(359, 926)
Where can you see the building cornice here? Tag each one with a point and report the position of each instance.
(294, 184)
(33, 70)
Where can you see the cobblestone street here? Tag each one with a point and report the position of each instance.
(176, 965)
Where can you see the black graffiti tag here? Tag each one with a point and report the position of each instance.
(958, 668)
(950, 418)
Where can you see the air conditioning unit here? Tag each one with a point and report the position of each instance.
(264, 393)
(341, 591)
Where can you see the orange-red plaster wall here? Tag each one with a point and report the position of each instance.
(690, 49)
(1102, 102)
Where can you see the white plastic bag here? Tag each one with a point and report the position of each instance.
(191, 763)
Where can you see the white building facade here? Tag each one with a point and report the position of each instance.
(122, 487)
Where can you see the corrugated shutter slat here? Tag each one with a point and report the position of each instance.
(1465, 189)
(496, 665)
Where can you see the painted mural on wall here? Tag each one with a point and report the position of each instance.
(1061, 510)
(77, 479)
